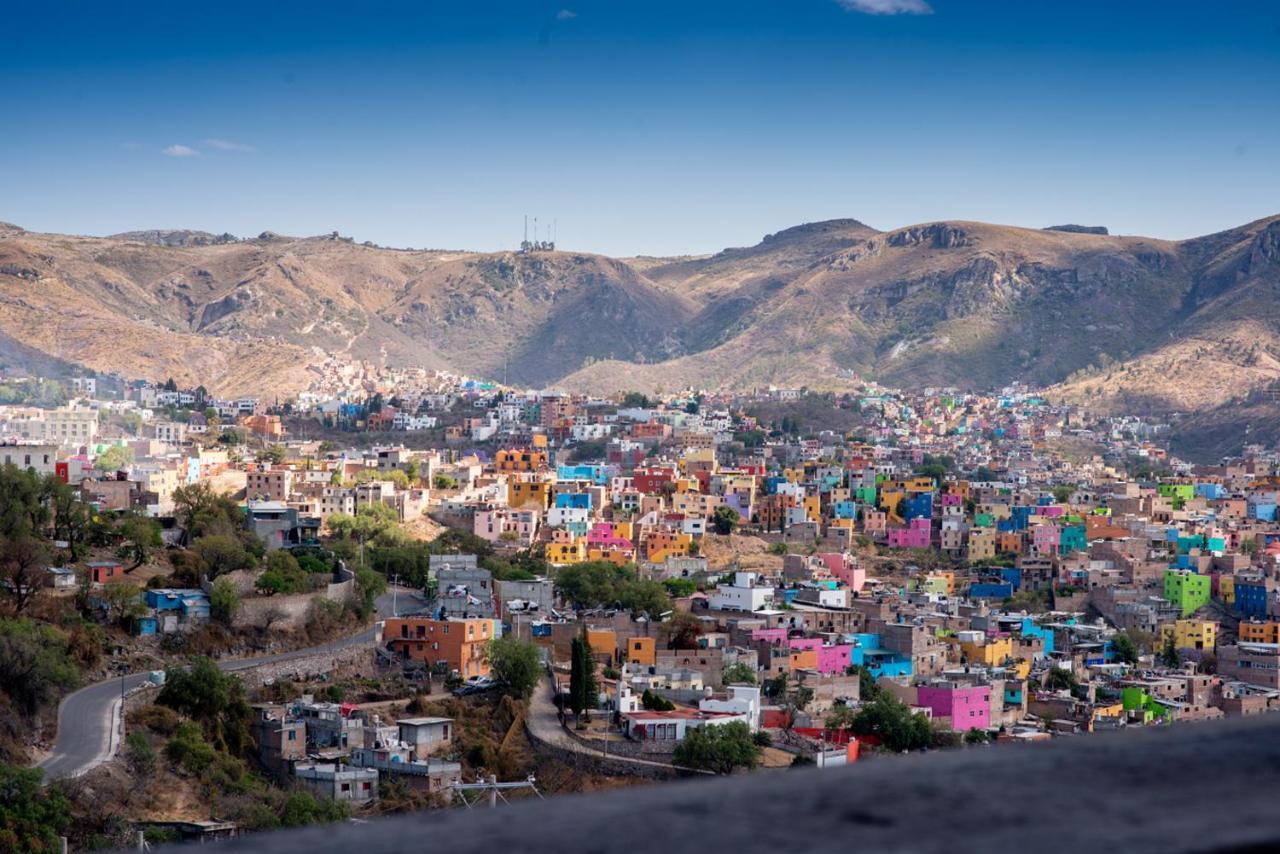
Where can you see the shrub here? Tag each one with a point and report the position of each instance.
(140, 754)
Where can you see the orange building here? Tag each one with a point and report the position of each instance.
(513, 460)
(529, 494)
(1254, 632)
(642, 651)
(461, 646)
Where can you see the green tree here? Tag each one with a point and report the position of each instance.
(738, 673)
(680, 587)
(141, 539)
(35, 664)
(213, 699)
(224, 601)
(718, 747)
(274, 454)
(370, 584)
(222, 554)
(32, 816)
(1125, 649)
(724, 519)
(516, 664)
(583, 693)
(283, 574)
(893, 722)
(1061, 494)
(114, 458)
(1169, 655)
(70, 515)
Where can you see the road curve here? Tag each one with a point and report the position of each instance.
(89, 719)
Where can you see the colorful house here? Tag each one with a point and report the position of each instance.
(1186, 589)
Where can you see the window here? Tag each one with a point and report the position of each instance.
(346, 787)
(293, 735)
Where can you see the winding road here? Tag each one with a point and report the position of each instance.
(89, 719)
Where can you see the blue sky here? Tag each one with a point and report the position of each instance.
(655, 127)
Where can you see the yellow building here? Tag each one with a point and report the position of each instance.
(1191, 634)
(529, 494)
(992, 652)
(614, 556)
(982, 544)
(560, 554)
(1227, 589)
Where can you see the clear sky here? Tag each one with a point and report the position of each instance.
(640, 127)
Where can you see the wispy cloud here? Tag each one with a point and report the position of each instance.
(566, 15)
(227, 145)
(887, 7)
(180, 151)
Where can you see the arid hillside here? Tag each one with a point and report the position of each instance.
(1112, 321)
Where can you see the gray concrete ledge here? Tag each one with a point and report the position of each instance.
(1191, 787)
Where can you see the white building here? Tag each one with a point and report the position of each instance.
(744, 594)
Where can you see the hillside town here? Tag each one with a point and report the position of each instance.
(634, 588)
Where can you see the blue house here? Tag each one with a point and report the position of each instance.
(1031, 630)
(598, 475)
(845, 510)
(1013, 575)
(574, 500)
(919, 505)
(1251, 598)
(990, 590)
(867, 652)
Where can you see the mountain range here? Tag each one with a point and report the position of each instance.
(1123, 323)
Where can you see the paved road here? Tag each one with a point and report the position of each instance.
(89, 719)
(543, 723)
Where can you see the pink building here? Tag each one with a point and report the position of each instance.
(951, 500)
(917, 535)
(603, 536)
(771, 636)
(513, 526)
(967, 706)
(845, 568)
(805, 643)
(1052, 511)
(835, 658)
(1045, 538)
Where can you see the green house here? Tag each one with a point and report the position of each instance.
(1186, 589)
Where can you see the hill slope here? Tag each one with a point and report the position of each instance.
(1113, 321)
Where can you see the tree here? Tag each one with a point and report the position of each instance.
(724, 519)
(840, 717)
(681, 631)
(32, 816)
(370, 584)
(893, 722)
(141, 539)
(35, 664)
(22, 561)
(1125, 649)
(680, 587)
(123, 602)
(1169, 655)
(115, 458)
(70, 515)
(718, 747)
(224, 601)
(516, 663)
(738, 673)
(274, 454)
(583, 693)
(222, 554)
(1062, 494)
(214, 699)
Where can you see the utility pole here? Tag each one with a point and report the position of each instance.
(395, 581)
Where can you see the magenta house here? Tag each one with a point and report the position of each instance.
(917, 535)
(834, 659)
(968, 706)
